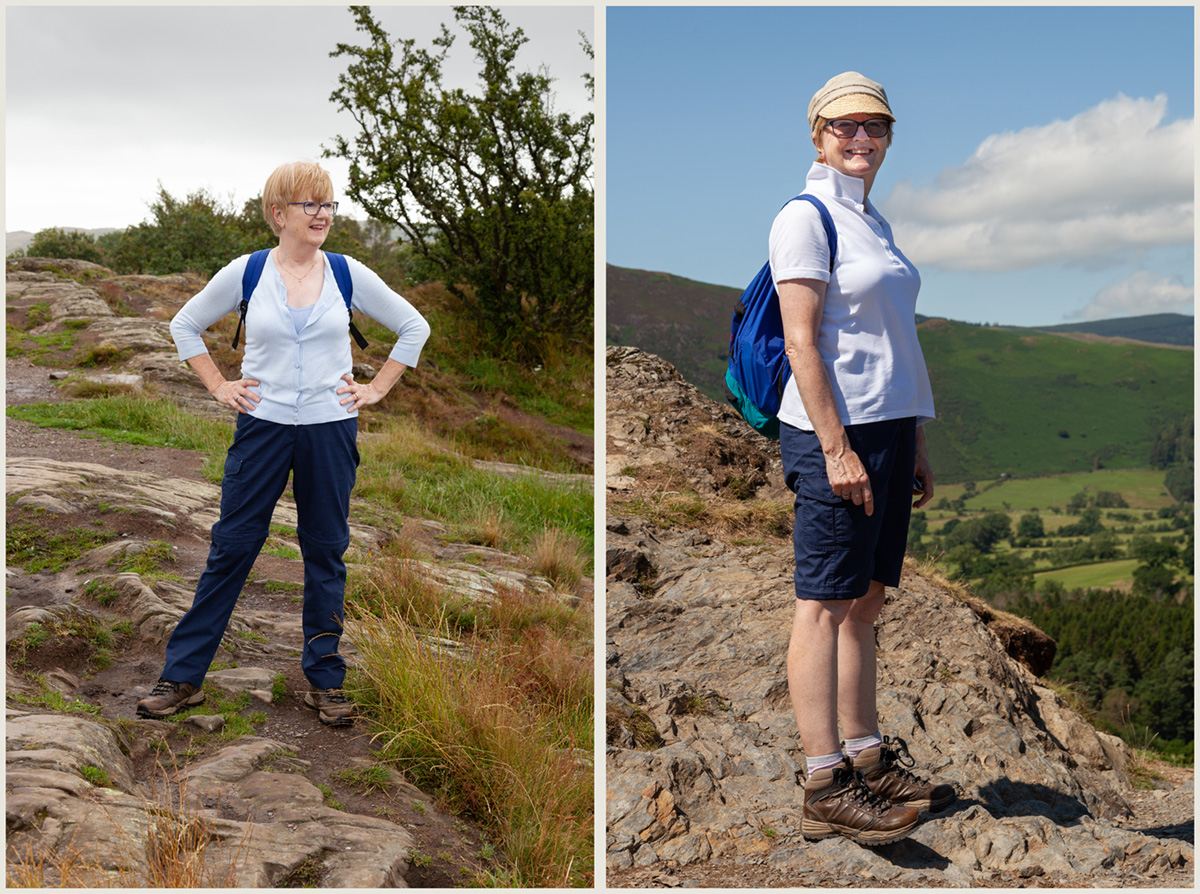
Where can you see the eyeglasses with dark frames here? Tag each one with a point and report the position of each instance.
(847, 128)
(311, 208)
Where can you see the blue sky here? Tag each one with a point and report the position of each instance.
(1041, 172)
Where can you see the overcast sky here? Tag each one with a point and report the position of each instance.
(103, 103)
(1042, 170)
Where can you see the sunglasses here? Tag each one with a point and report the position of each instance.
(846, 128)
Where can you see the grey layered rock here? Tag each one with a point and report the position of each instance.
(704, 762)
(115, 827)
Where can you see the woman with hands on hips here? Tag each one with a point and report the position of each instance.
(297, 405)
(852, 443)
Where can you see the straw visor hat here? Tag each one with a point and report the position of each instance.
(849, 93)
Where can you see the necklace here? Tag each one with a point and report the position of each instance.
(298, 279)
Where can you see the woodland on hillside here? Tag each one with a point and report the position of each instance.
(1123, 649)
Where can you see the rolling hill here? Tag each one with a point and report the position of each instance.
(1020, 401)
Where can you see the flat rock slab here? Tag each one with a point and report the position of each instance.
(114, 827)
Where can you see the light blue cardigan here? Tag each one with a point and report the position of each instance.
(299, 374)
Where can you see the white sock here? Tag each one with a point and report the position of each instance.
(812, 764)
(855, 747)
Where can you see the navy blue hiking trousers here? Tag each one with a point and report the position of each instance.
(323, 462)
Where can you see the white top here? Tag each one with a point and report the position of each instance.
(868, 336)
(300, 372)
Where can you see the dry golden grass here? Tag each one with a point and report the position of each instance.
(173, 847)
(485, 525)
(960, 590)
(489, 702)
(556, 556)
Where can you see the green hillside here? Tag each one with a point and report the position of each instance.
(1024, 402)
(1035, 404)
(1164, 329)
(683, 321)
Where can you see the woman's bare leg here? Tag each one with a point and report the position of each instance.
(813, 668)
(856, 676)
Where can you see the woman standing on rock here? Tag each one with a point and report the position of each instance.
(293, 418)
(852, 442)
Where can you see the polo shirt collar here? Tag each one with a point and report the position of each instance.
(827, 181)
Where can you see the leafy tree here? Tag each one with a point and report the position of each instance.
(492, 190)
(1149, 551)
(1030, 528)
(1089, 523)
(57, 243)
(197, 233)
(918, 527)
(1180, 482)
(1174, 442)
(1004, 573)
(1107, 499)
(1167, 696)
(980, 533)
(1104, 545)
(1154, 580)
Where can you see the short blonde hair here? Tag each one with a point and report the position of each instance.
(296, 181)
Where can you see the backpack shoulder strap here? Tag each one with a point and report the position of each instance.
(250, 278)
(341, 273)
(826, 221)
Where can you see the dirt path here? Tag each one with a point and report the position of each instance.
(448, 848)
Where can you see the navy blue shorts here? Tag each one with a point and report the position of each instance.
(839, 548)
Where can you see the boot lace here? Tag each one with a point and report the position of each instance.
(164, 687)
(861, 795)
(895, 752)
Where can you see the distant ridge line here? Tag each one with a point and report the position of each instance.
(1170, 329)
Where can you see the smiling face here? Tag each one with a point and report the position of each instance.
(857, 156)
(297, 227)
(297, 181)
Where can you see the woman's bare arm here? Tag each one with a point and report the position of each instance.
(801, 304)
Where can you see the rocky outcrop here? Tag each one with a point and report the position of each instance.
(174, 503)
(704, 763)
(71, 295)
(68, 779)
(662, 428)
(90, 785)
(250, 790)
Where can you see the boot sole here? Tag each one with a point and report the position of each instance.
(926, 805)
(348, 720)
(159, 715)
(816, 831)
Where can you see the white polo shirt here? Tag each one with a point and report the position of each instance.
(868, 336)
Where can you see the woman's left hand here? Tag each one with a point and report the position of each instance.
(361, 394)
(923, 471)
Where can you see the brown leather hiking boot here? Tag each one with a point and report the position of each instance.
(838, 802)
(168, 697)
(884, 770)
(331, 705)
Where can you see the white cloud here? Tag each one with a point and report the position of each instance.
(1100, 188)
(1141, 293)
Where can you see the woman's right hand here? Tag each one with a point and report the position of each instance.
(849, 480)
(237, 394)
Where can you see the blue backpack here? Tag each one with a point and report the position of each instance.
(254, 269)
(758, 365)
